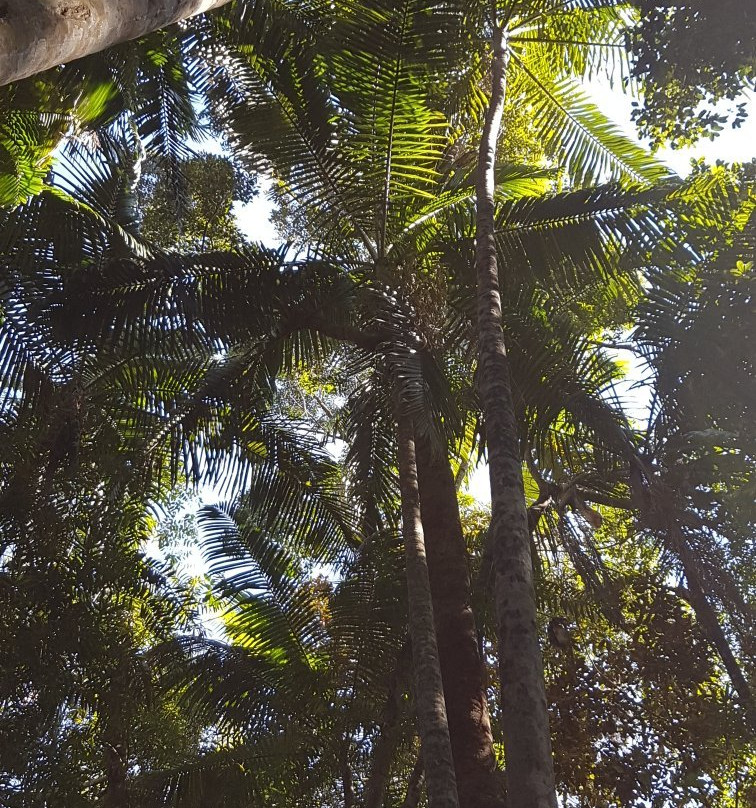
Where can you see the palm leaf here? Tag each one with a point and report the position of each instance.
(591, 147)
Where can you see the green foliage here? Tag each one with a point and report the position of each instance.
(128, 366)
(640, 713)
(37, 115)
(81, 609)
(688, 56)
(206, 223)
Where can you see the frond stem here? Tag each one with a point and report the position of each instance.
(551, 41)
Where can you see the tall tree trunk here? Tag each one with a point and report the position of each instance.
(115, 742)
(116, 788)
(432, 723)
(38, 34)
(346, 774)
(527, 743)
(479, 782)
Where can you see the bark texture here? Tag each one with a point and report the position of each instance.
(36, 35)
(479, 782)
(432, 724)
(527, 743)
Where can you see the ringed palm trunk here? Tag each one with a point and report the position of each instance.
(479, 782)
(36, 35)
(527, 743)
(430, 709)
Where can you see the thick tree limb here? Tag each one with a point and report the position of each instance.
(36, 35)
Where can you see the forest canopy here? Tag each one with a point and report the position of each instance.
(243, 556)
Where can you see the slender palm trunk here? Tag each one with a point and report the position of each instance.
(36, 35)
(430, 709)
(116, 749)
(527, 743)
(116, 789)
(346, 774)
(479, 782)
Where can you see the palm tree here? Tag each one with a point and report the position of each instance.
(438, 763)
(637, 474)
(407, 178)
(148, 93)
(545, 46)
(56, 509)
(682, 333)
(299, 123)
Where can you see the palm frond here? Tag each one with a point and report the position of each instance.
(271, 610)
(583, 139)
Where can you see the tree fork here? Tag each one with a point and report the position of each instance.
(527, 742)
(36, 35)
